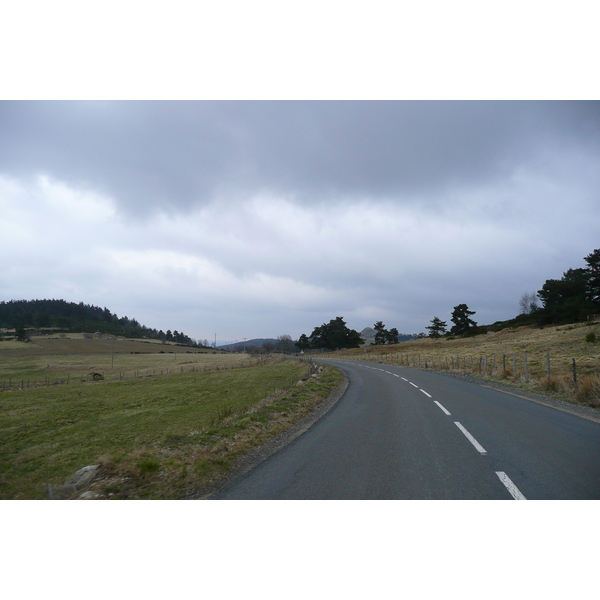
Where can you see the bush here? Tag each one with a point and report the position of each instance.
(589, 390)
(148, 465)
(590, 338)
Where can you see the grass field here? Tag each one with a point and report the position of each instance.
(516, 356)
(47, 361)
(157, 436)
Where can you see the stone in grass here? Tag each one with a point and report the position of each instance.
(89, 495)
(78, 481)
(83, 477)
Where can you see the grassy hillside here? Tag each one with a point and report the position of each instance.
(496, 354)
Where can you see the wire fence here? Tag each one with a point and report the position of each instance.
(568, 377)
(13, 383)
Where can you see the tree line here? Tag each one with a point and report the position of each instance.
(575, 297)
(60, 315)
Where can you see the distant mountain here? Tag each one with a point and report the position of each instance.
(237, 346)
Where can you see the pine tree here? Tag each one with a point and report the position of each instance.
(437, 327)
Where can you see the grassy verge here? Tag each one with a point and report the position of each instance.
(155, 437)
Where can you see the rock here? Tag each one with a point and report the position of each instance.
(89, 495)
(82, 478)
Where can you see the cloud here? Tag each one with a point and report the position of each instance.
(258, 219)
(172, 156)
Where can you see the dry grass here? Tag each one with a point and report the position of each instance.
(46, 361)
(516, 356)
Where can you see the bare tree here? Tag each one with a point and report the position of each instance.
(528, 303)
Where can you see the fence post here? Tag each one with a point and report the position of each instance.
(503, 364)
(548, 364)
(526, 369)
(514, 365)
(575, 374)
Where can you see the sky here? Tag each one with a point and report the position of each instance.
(260, 218)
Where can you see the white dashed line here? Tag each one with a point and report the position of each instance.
(396, 375)
(413, 384)
(443, 408)
(428, 395)
(404, 379)
(510, 486)
(473, 441)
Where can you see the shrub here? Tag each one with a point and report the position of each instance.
(551, 385)
(148, 465)
(590, 338)
(589, 390)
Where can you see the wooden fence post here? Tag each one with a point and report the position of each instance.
(526, 369)
(575, 374)
(548, 364)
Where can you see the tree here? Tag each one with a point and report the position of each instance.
(593, 276)
(284, 343)
(463, 324)
(437, 327)
(334, 335)
(303, 342)
(392, 336)
(21, 334)
(564, 299)
(528, 304)
(380, 333)
(383, 336)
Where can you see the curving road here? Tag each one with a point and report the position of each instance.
(401, 433)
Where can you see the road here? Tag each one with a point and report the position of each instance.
(401, 433)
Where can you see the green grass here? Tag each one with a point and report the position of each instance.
(156, 437)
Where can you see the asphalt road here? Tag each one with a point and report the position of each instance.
(401, 433)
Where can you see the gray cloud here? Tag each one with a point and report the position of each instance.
(255, 219)
(175, 155)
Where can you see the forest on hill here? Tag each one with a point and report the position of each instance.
(59, 315)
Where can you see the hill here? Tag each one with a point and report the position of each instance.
(30, 316)
(240, 346)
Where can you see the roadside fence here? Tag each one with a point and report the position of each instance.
(568, 377)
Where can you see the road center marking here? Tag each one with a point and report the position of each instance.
(404, 378)
(510, 486)
(413, 384)
(443, 408)
(428, 395)
(473, 441)
(396, 375)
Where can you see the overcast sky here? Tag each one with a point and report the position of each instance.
(260, 218)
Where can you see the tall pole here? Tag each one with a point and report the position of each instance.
(215, 346)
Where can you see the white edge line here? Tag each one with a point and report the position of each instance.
(428, 395)
(510, 486)
(443, 408)
(473, 441)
